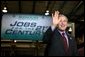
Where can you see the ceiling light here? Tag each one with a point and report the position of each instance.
(46, 13)
(70, 29)
(5, 10)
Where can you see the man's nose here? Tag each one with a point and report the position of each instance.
(62, 22)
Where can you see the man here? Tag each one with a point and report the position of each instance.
(58, 44)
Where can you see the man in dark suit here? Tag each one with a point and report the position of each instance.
(59, 42)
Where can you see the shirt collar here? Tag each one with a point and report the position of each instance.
(62, 32)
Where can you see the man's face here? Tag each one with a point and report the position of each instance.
(62, 25)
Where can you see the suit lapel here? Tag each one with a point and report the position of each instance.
(59, 38)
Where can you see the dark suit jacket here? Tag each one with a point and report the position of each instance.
(55, 46)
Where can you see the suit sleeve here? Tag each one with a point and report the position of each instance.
(47, 35)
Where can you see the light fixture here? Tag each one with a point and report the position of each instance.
(70, 29)
(14, 40)
(47, 12)
(5, 10)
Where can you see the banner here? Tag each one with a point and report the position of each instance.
(24, 26)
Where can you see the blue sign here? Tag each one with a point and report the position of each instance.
(24, 26)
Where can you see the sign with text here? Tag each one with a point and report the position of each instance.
(24, 26)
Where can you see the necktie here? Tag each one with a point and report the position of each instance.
(65, 43)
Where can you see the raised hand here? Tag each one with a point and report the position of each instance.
(55, 18)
